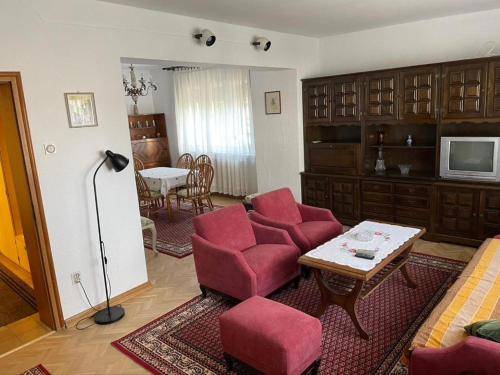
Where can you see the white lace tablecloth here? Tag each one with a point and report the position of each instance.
(386, 239)
(163, 179)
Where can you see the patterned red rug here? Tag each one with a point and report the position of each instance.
(186, 340)
(38, 370)
(174, 235)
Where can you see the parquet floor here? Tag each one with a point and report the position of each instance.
(87, 352)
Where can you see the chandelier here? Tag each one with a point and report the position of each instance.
(137, 87)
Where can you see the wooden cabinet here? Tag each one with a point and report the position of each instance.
(493, 105)
(344, 197)
(464, 90)
(419, 93)
(316, 190)
(346, 92)
(456, 212)
(317, 102)
(381, 96)
(341, 158)
(489, 213)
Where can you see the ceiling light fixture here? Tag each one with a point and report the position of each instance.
(262, 43)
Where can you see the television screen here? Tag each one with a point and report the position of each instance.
(474, 156)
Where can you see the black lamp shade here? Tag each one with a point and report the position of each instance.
(118, 161)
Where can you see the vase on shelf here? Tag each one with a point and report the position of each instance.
(380, 163)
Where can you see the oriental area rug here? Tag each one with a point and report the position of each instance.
(174, 235)
(187, 340)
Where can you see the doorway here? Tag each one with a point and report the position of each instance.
(26, 268)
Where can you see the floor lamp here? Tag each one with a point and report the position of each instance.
(110, 314)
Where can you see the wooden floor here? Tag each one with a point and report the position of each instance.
(89, 352)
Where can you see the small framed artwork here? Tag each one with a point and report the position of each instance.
(81, 109)
(273, 102)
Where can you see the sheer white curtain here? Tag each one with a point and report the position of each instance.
(213, 111)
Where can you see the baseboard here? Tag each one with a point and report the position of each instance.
(72, 321)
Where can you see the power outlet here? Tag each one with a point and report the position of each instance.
(75, 278)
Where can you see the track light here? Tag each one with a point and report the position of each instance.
(205, 37)
(262, 44)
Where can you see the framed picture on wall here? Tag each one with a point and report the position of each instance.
(273, 102)
(81, 109)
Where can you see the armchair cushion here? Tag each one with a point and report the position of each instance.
(319, 232)
(273, 264)
(228, 227)
(278, 205)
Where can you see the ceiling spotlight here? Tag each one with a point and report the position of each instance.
(206, 37)
(262, 44)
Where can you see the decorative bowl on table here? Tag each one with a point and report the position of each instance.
(405, 169)
(363, 235)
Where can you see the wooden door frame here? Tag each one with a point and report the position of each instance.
(49, 287)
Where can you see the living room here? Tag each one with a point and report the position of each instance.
(78, 46)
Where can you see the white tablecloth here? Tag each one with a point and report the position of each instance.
(163, 179)
(386, 239)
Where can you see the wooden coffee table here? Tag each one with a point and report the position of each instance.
(347, 299)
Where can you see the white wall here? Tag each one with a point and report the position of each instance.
(75, 45)
(429, 41)
(275, 132)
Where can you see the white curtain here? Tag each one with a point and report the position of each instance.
(213, 111)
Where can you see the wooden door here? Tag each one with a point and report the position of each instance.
(381, 96)
(346, 99)
(345, 198)
(464, 88)
(489, 213)
(317, 102)
(418, 93)
(316, 191)
(8, 247)
(456, 211)
(493, 105)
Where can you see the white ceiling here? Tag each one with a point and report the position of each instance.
(317, 18)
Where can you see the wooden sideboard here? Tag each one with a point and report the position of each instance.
(148, 135)
(342, 118)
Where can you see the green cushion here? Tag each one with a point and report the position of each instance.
(485, 329)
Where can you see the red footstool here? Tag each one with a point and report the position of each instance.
(271, 337)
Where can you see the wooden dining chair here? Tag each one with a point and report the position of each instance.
(185, 161)
(198, 188)
(152, 200)
(138, 164)
(203, 159)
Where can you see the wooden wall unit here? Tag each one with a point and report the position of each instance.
(342, 116)
(148, 134)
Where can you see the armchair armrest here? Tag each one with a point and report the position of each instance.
(295, 233)
(265, 234)
(223, 269)
(310, 213)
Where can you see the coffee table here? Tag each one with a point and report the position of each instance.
(393, 244)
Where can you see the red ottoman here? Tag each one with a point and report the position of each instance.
(271, 337)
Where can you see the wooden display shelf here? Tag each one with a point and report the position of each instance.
(404, 147)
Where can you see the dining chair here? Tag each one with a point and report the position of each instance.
(138, 164)
(152, 200)
(185, 161)
(198, 188)
(203, 159)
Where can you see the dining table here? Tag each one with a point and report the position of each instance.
(163, 180)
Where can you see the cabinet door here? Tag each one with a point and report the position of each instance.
(317, 102)
(346, 100)
(456, 211)
(493, 106)
(464, 90)
(316, 191)
(381, 96)
(418, 93)
(489, 213)
(344, 198)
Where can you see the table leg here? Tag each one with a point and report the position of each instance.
(169, 208)
(409, 282)
(346, 301)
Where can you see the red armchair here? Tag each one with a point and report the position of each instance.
(239, 258)
(471, 356)
(308, 226)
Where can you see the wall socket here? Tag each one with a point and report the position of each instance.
(75, 278)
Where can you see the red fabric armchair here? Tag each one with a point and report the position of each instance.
(239, 258)
(308, 226)
(471, 356)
